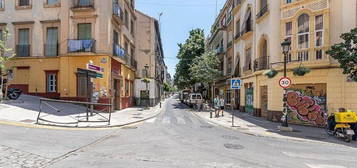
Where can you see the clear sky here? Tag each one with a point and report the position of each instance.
(179, 17)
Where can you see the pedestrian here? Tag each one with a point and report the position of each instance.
(216, 105)
(222, 103)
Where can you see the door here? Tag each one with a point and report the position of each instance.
(237, 99)
(116, 94)
(264, 101)
(249, 101)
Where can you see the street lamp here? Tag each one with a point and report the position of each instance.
(286, 47)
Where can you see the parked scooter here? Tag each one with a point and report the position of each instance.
(339, 124)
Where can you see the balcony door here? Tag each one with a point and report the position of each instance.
(84, 31)
(51, 47)
(23, 47)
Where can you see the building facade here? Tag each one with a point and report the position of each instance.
(73, 50)
(151, 63)
(259, 27)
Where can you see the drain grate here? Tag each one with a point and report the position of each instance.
(129, 127)
(233, 146)
(230, 137)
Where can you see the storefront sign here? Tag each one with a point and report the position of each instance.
(96, 68)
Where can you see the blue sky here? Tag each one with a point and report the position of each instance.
(179, 17)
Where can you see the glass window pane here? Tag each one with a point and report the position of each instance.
(319, 40)
(319, 22)
(84, 31)
(52, 2)
(24, 36)
(288, 28)
(303, 23)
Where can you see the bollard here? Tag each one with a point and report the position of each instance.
(160, 104)
(210, 114)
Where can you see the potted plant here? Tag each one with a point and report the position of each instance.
(301, 71)
(271, 73)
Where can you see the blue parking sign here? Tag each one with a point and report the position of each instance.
(235, 83)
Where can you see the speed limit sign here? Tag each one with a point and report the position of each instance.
(285, 82)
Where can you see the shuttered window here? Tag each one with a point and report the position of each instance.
(84, 31)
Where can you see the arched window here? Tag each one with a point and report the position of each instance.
(303, 31)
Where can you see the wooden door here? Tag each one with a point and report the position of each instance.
(264, 101)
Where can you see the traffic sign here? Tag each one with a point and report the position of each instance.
(236, 83)
(285, 82)
(96, 68)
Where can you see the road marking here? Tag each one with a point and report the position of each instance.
(166, 120)
(323, 166)
(151, 120)
(181, 121)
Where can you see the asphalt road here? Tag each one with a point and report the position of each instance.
(176, 138)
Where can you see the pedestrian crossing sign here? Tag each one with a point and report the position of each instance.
(235, 83)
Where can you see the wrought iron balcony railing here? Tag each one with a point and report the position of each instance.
(262, 11)
(51, 50)
(261, 63)
(81, 45)
(23, 50)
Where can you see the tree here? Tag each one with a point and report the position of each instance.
(205, 68)
(167, 87)
(5, 57)
(192, 48)
(346, 53)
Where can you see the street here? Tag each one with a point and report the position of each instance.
(176, 138)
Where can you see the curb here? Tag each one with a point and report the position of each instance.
(266, 136)
(60, 127)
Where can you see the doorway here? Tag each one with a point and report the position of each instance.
(116, 94)
(264, 101)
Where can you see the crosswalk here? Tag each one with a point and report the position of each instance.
(168, 120)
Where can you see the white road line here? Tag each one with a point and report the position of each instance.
(151, 120)
(166, 120)
(323, 166)
(181, 121)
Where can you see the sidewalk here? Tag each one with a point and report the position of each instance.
(256, 126)
(25, 110)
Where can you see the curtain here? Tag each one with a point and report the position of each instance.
(84, 31)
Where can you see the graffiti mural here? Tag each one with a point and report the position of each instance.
(307, 106)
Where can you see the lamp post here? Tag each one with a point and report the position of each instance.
(286, 47)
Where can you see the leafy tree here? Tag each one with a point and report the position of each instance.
(205, 68)
(167, 87)
(192, 48)
(5, 57)
(346, 53)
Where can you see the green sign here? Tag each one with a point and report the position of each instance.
(99, 75)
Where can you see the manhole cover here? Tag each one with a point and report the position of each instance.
(315, 138)
(230, 137)
(233, 146)
(138, 117)
(132, 127)
(28, 121)
(206, 126)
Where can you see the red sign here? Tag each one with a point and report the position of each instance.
(285, 82)
(96, 68)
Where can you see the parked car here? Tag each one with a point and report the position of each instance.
(195, 98)
(184, 96)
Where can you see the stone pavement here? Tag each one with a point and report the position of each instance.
(25, 110)
(257, 126)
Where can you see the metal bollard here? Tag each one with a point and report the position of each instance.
(210, 114)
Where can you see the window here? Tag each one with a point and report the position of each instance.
(288, 35)
(85, 2)
(82, 85)
(51, 47)
(132, 27)
(319, 26)
(288, 1)
(229, 65)
(303, 31)
(319, 54)
(23, 46)
(248, 59)
(84, 31)
(52, 82)
(126, 88)
(126, 19)
(24, 2)
(237, 29)
(228, 97)
(52, 2)
(2, 5)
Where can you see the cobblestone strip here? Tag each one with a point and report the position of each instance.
(15, 158)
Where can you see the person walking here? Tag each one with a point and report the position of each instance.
(216, 106)
(222, 103)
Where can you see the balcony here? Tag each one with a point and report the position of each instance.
(80, 5)
(117, 12)
(23, 50)
(247, 67)
(262, 11)
(51, 50)
(118, 51)
(261, 63)
(81, 46)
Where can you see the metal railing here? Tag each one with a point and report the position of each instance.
(81, 113)
(247, 67)
(261, 63)
(83, 4)
(51, 50)
(262, 11)
(81, 45)
(23, 50)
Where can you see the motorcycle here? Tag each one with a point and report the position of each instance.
(339, 125)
